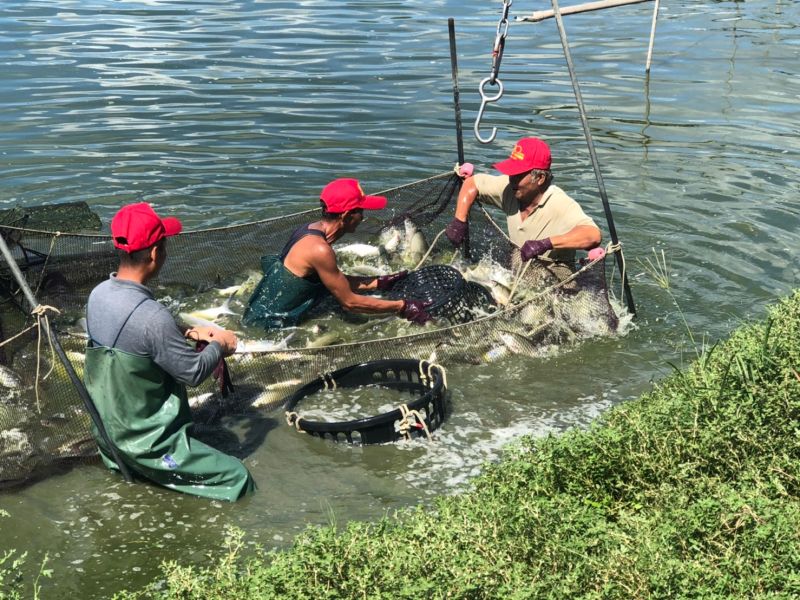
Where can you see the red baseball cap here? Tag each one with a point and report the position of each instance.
(137, 226)
(529, 153)
(346, 194)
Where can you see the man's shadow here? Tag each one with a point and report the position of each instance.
(231, 424)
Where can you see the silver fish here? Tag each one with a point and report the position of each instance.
(390, 240)
(245, 346)
(214, 312)
(230, 290)
(360, 250)
(9, 379)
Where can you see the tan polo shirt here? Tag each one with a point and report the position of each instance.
(556, 214)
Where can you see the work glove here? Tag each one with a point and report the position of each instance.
(386, 282)
(456, 231)
(464, 170)
(533, 248)
(414, 311)
(220, 373)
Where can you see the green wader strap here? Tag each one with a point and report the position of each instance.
(281, 298)
(146, 414)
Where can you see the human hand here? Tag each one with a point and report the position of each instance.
(386, 282)
(534, 248)
(464, 170)
(226, 339)
(414, 311)
(456, 231)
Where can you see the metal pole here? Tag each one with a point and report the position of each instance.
(87, 400)
(451, 27)
(652, 38)
(541, 15)
(595, 164)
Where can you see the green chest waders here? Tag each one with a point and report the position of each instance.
(146, 414)
(281, 298)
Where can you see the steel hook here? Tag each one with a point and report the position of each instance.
(484, 101)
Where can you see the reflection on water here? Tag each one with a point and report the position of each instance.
(226, 112)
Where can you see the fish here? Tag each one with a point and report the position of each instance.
(14, 442)
(230, 290)
(214, 312)
(326, 339)
(283, 385)
(9, 379)
(275, 393)
(194, 321)
(360, 250)
(245, 346)
(195, 401)
(517, 343)
(416, 248)
(390, 240)
(496, 353)
(366, 271)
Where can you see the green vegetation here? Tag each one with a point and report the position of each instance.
(691, 491)
(12, 579)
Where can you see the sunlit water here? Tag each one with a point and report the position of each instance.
(227, 112)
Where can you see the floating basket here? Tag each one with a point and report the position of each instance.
(413, 419)
(451, 297)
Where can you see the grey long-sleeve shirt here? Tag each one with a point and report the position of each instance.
(151, 331)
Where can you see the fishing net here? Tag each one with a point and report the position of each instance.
(450, 299)
(527, 311)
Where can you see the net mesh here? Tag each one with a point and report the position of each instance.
(43, 424)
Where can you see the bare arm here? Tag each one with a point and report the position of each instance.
(580, 237)
(466, 198)
(323, 260)
(362, 284)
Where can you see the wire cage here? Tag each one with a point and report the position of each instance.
(411, 419)
(451, 298)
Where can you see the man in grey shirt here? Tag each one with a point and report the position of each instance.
(138, 365)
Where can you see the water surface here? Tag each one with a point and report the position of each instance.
(229, 112)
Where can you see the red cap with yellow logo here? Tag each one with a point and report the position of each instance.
(529, 153)
(346, 194)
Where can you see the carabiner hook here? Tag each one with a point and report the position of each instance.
(484, 101)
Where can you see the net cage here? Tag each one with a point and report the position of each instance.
(44, 426)
(412, 418)
(449, 297)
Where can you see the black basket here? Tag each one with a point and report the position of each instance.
(450, 296)
(404, 375)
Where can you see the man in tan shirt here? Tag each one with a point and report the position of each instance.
(542, 219)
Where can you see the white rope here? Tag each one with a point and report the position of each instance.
(430, 249)
(40, 312)
(405, 424)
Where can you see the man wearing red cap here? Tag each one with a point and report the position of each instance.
(138, 364)
(306, 271)
(542, 219)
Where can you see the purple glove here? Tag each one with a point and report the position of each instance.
(414, 311)
(386, 282)
(456, 231)
(220, 372)
(534, 248)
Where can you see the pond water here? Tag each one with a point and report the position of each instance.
(229, 112)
